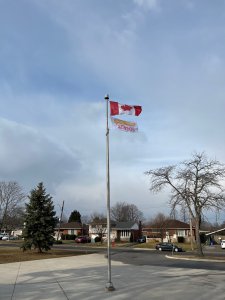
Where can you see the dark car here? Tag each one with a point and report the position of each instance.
(83, 239)
(168, 247)
(142, 239)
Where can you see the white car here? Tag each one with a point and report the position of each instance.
(5, 238)
(223, 244)
(3, 235)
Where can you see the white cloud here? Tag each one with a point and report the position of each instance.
(83, 195)
(56, 67)
(28, 156)
(148, 4)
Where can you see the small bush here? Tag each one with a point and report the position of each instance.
(97, 239)
(180, 239)
(68, 237)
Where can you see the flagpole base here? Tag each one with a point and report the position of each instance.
(109, 287)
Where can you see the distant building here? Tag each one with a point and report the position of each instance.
(120, 231)
(169, 231)
(72, 228)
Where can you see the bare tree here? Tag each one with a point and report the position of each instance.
(195, 184)
(123, 212)
(160, 223)
(85, 219)
(184, 213)
(173, 214)
(11, 197)
(15, 219)
(98, 223)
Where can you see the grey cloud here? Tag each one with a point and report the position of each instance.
(29, 157)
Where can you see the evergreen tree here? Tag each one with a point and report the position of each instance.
(75, 216)
(40, 221)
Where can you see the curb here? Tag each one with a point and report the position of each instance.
(144, 249)
(195, 259)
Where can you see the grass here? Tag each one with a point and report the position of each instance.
(14, 254)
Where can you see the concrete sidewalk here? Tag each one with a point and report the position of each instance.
(85, 277)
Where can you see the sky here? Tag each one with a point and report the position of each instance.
(58, 60)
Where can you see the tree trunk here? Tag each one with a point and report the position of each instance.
(198, 240)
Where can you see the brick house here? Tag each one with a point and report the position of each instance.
(72, 228)
(169, 231)
(120, 231)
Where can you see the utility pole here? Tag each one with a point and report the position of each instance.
(60, 220)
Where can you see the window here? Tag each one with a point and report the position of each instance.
(180, 232)
(125, 233)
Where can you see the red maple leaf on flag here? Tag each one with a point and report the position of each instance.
(126, 107)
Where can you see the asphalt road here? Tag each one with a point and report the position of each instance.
(140, 257)
(156, 258)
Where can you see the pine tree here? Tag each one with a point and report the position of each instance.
(75, 216)
(40, 221)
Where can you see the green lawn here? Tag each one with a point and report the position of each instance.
(14, 254)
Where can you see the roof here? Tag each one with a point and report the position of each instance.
(219, 230)
(119, 225)
(124, 225)
(170, 224)
(71, 225)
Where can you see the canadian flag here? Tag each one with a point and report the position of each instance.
(124, 109)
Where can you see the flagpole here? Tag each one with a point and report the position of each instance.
(109, 286)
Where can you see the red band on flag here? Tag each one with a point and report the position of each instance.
(114, 108)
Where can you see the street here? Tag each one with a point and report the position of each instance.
(140, 257)
(156, 258)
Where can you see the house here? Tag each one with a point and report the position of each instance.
(169, 231)
(98, 228)
(120, 231)
(125, 231)
(215, 236)
(72, 228)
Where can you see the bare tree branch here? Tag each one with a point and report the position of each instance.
(11, 197)
(195, 184)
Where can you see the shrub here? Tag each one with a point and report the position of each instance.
(68, 237)
(98, 239)
(180, 239)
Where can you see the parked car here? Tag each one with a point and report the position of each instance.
(7, 238)
(83, 239)
(2, 234)
(168, 247)
(222, 244)
(142, 239)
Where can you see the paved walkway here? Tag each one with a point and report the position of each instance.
(85, 277)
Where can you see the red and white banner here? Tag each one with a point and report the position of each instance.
(124, 109)
(124, 125)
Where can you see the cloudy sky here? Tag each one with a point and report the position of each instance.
(58, 59)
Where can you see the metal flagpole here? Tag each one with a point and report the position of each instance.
(109, 285)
